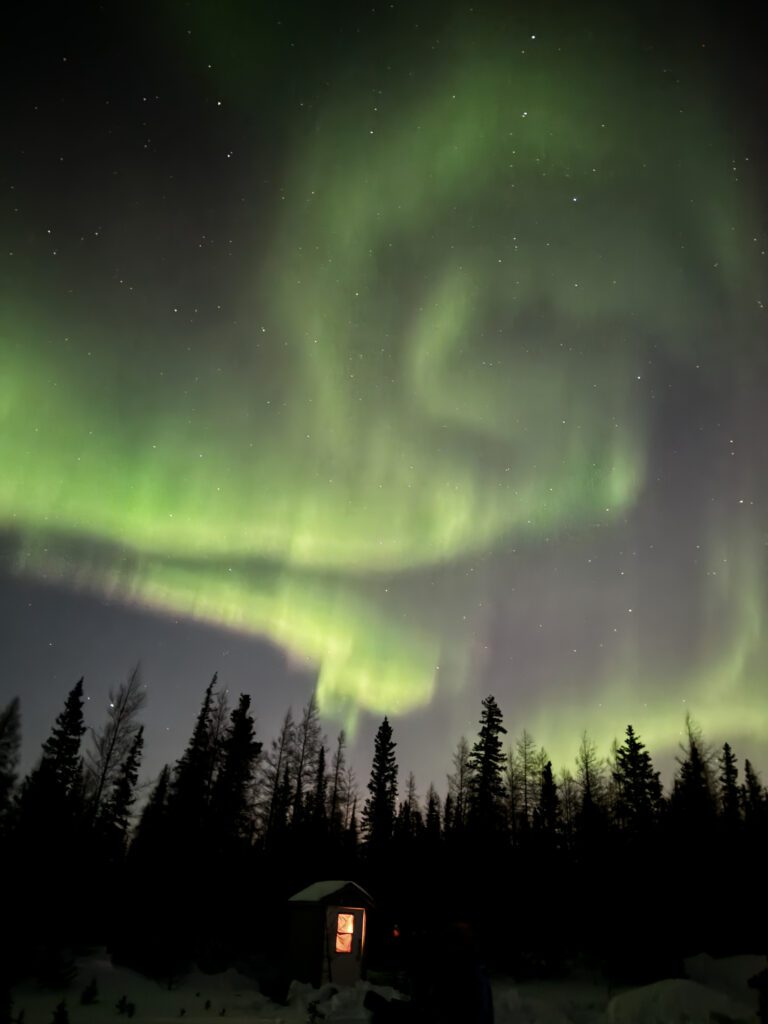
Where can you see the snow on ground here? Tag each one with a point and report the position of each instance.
(729, 975)
(677, 1001)
(571, 1000)
(716, 994)
(155, 1004)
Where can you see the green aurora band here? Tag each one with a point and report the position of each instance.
(464, 283)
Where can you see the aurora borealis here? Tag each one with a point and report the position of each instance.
(426, 346)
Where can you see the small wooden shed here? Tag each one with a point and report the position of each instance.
(327, 925)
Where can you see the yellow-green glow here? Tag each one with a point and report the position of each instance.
(722, 683)
(441, 356)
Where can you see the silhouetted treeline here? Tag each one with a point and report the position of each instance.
(598, 862)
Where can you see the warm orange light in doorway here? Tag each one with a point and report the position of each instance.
(345, 926)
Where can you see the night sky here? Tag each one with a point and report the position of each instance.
(416, 351)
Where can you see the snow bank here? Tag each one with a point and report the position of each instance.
(728, 975)
(336, 1005)
(229, 991)
(715, 993)
(677, 1001)
(511, 1007)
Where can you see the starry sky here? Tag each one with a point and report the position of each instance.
(415, 351)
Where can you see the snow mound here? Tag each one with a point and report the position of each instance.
(510, 1007)
(728, 974)
(229, 991)
(677, 1001)
(337, 1005)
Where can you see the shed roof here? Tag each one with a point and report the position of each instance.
(324, 892)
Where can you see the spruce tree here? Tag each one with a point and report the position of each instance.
(231, 810)
(10, 745)
(547, 817)
(50, 800)
(753, 797)
(638, 791)
(188, 797)
(115, 817)
(218, 728)
(141, 917)
(90, 993)
(693, 801)
(432, 824)
(408, 823)
(152, 830)
(61, 751)
(728, 778)
(486, 763)
(754, 850)
(570, 803)
(60, 1014)
(282, 806)
(379, 808)
(448, 817)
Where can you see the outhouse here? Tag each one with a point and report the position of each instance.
(327, 924)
